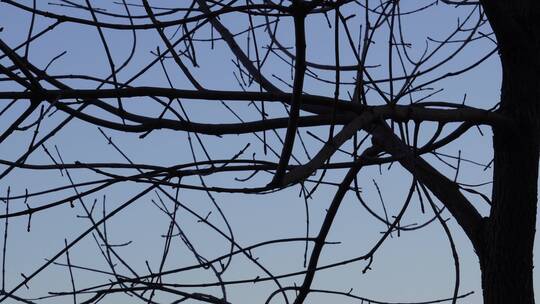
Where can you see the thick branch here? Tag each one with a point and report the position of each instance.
(320, 104)
(444, 189)
(298, 85)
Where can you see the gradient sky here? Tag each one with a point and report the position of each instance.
(417, 266)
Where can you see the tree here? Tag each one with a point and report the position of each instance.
(372, 102)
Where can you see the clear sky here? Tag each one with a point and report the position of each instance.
(414, 266)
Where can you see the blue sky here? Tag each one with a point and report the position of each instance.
(417, 266)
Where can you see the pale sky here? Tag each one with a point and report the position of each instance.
(416, 266)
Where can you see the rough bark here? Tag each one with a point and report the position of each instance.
(506, 255)
(507, 246)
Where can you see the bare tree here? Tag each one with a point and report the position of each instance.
(172, 104)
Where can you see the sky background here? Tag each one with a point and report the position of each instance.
(416, 266)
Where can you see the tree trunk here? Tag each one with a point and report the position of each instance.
(506, 249)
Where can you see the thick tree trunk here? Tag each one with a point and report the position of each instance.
(506, 249)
